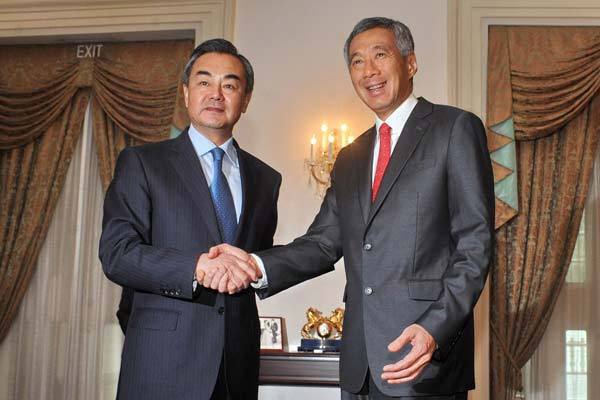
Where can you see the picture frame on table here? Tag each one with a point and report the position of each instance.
(272, 334)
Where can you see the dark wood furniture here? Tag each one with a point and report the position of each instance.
(307, 369)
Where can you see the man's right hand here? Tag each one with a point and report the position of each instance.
(225, 248)
(225, 272)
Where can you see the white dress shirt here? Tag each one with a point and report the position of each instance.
(230, 168)
(396, 121)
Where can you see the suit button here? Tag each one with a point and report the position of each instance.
(221, 310)
(171, 292)
(367, 246)
(177, 293)
(368, 291)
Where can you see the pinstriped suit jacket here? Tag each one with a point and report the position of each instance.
(158, 219)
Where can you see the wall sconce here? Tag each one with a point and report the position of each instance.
(324, 152)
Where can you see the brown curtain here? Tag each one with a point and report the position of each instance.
(44, 91)
(41, 116)
(547, 80)
(136, 101)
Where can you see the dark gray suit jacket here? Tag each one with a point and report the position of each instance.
(418, 254)
(158, 219)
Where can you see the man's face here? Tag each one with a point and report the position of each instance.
(380, 74)
(215, 96)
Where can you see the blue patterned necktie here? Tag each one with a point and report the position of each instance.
(222, 198)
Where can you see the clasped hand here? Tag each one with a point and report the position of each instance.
(227, 269)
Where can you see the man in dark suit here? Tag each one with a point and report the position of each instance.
(170, 202)
(411, 210)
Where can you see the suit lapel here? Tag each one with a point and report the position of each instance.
(363, 162)
(248, 181)
(411, 135)
(188, 167)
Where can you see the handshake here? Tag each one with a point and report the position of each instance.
(227, 269)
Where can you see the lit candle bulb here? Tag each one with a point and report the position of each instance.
(330, 148)
(344, 129)
(324, 128)
(313, 141)
(350, 139)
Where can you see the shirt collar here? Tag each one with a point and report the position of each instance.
(202, 145)
(398, 118)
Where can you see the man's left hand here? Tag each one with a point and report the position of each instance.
(407, 369)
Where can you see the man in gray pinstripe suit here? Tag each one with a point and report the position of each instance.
(170, 202)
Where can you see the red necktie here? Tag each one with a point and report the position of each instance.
(385, 145)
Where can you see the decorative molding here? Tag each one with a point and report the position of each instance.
(472, 20)
(206, 18)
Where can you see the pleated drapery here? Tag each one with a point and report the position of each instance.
(566, 363)
(65, 342)
(543, 127)
(44, 91)
(134, 101)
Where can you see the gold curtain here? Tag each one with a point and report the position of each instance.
(546, 80)
(44, 91)
(136, 101)
(36, 85)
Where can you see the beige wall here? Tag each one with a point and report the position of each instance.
(301, 80)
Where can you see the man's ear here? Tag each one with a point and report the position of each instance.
(247, 98)
(186, 95)
(411, 61)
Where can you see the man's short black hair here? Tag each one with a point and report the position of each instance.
(219, 46)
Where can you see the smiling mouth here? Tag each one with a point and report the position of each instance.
(375, 89)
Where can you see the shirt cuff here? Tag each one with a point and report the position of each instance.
(262, 283)
(194, 283)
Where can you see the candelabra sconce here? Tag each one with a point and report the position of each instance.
(324, 152)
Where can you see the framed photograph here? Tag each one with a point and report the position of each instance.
(272, 333)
